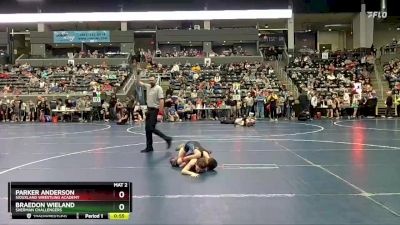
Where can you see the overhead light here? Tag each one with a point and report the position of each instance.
(309, 30)
(144, 31)
(266, 29)
(146, 16)
(266, 26)
(29, 1)
(398, 28)
(330, 29)
(224, 41)
(26, 29)
(337, 25)
(100, 44)
(241, 41)
(168, 42)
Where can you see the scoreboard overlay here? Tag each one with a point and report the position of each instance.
(70, 200)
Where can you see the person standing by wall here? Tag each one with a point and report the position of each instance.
(130, 105)
(289, 105)
(260, 101)
(397, 97)
(389, 105)
(304, 102)
(314, 105)
(249, 101)
(155, 108)
(272, 101)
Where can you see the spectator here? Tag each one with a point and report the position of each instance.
(130, 105)
(289, 105)
(196, 68)
(32, 111)
(260, 100)
(217, 78)
(123, 118)
(331, 107)
(355, 104)
(16, 107)
(304, 103)
(336, 106)
(314, 105)
(272, 100)
(173, 114)
(137, 114)
(113, 103)
(249, 102)
(389, 105)
(106, 111)
(4, 105)
(175, 68)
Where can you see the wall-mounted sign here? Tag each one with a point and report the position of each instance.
(62, 37)
(379, 15)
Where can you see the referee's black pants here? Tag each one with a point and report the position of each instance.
(151, 121)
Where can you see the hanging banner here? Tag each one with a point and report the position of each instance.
(63, 37)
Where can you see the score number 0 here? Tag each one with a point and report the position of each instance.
(121, 194)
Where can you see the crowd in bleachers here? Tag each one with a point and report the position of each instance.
(195, 52)
(392, 73)
(226, 91)
(46, 109)
(25, 79)
(231, 51)
(88, 54)
(391, 47)
(339, 86)
(191, 52)
(273, 53)
(144, 56)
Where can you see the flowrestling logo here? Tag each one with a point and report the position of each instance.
(377, 14)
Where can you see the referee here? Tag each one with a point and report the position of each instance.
(155, 107)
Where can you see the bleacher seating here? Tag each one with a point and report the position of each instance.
(392, 72)
(229, 74)
(329, 77)
(26, 80)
